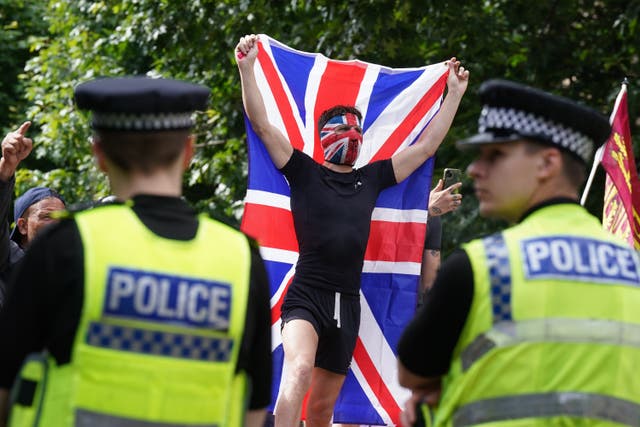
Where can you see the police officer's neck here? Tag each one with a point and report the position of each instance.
(542, 196)
(164, 183)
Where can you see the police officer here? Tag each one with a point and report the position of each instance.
(537, 324)
(140, 312)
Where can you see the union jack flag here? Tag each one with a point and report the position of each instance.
(397, 104)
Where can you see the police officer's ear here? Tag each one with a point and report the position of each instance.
(188, 151)
(549, 162)
(98, 153)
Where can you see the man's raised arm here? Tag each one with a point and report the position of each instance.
(275, 142)
(409, 159)
(15, 147)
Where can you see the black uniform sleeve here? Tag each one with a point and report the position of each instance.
(43, 301)
(6, 193)
(426, 346)
(255, 353)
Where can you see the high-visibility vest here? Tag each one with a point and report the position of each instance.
(553, 332)
(159, 335)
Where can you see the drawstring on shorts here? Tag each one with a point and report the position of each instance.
(336, 310)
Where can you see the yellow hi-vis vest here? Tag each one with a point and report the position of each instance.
(159, 334)
(553, 333)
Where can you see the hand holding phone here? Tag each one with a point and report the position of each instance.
(443, 198)
(450, 177)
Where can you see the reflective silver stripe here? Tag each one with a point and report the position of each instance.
(86, 418)
(597, 331)
(571, 404)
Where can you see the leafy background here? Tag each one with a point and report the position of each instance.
(577, 48)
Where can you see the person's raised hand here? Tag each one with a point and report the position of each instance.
(246, 50)
(15, 148)
(458, 78)
(444, 200)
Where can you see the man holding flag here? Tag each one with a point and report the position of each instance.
(331, 205)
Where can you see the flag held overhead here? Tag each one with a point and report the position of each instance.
(396, 104)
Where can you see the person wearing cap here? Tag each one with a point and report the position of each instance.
(138, 312)
(331, 205)
(536, 324)
(15, 147)
(31, 210)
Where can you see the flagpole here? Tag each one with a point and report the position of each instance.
(600, 152)
(596, 161)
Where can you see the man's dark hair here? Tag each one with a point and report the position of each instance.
(142, 151)
(574, 169)
(338, 110)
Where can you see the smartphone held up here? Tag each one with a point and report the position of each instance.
(451, 176)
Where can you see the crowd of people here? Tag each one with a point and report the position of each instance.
(140, 311)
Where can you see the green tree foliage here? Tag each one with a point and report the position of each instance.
(577, 48)
(20, 21)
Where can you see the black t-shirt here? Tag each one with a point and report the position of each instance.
(46, 290)
(332, 217)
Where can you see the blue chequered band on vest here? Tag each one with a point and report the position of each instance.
(159, 343)
(499, 275)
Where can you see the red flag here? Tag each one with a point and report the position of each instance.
(622, 188)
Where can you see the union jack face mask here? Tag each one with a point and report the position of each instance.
(341, 145)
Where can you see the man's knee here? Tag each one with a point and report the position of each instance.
(320, 410)
(299, 370)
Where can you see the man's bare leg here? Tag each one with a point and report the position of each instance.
(300, 342)
(325, 388)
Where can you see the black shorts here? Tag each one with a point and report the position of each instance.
(337, 332)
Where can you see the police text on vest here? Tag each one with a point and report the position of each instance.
(163, 298)
(580, 259)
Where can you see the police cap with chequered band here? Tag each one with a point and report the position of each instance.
(512, 111)
(141, 104)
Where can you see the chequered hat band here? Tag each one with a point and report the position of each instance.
(142, 122)
(528, 124)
